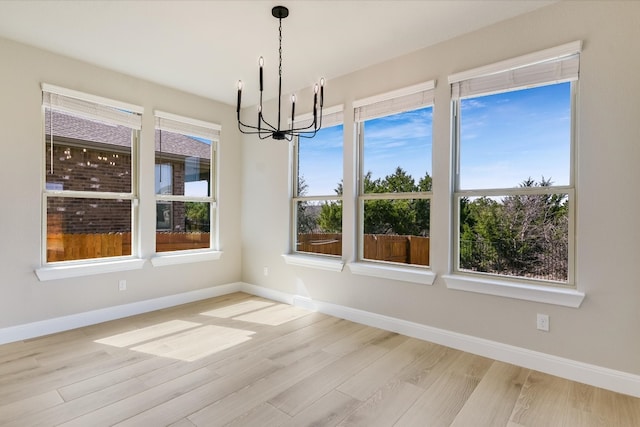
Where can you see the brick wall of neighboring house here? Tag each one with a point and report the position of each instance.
(91, 156)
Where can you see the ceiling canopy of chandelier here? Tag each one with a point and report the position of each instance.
(265, 129)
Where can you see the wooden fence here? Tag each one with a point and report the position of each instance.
(320, 243)
(67, 247)
(381, 247)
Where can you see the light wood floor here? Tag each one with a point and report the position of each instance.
(241, 360)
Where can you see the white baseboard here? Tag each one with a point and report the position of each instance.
(65, 323)
(610, 379)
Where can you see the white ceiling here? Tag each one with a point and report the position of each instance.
(204, 47)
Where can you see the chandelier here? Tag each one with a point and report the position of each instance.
(265, 129)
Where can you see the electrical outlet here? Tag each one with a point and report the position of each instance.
(122, 285)
(543, 322)
(265, 271)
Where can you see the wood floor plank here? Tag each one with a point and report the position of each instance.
(83, 406)
(237, 404)
(182, 423)
(429, 366)
(304, 393)
(199, 397)
(385, 406)
(293, 350)
(493, 400)
(591, 406)
(21, 385)
(443, 400)
(263, 415)
(20, 409)
(543, 401)
(133, 405)
(367, 381)
(360, 338)
(329, 410)
(133, 367)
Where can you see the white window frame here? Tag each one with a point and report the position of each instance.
(331, 116)
(550, 66)
(398, 101)
(210, 131)
(107, 110)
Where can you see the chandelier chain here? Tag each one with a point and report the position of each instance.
(280, 49)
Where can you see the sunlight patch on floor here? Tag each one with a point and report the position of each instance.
(238, 308)
(274, 316)
(137, 336)
(196, 343)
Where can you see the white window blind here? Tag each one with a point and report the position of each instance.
(92, 107)
(187, 126)
(407, 99)
(555, 65)
(331, 116)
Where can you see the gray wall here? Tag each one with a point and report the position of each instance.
(23, 298)
(603, 331)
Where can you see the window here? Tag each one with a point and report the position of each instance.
(184, 186)
(395, 139)
(89, 195)
(514, 191)
(317, 188)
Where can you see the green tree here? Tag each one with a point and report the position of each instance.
(330, 218)
(521, 235)
(307, 220)
(390, 216)
(386, 216)
(423, 207)
(196, 216)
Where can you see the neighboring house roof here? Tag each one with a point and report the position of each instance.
(111, 137)
(181, 145)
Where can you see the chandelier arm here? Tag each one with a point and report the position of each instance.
(269, 128)
(316, 124)
(269, 125)
(249, 129)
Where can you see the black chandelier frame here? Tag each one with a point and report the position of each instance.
(265, 129)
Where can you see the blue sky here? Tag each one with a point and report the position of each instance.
(505, 139)
(320, 161)
(509, 137)
(399, 140)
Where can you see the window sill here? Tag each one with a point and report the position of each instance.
(405, 274)
(55, 272)
(184, 258)
(319, 262)
(537, 293)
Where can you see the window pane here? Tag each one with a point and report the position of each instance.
(397, 152)
(320, 163)
(87, 155)
(510, 137)
(516, 235)
(87, 228)
(397, 230)
(319, 227)
(182, 225)
(187, 161)
(164, 178)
